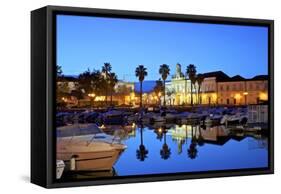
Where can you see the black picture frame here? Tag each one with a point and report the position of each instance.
(43, 84)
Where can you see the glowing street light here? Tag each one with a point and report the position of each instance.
(92, 95)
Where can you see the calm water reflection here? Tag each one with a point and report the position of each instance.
(186, 148)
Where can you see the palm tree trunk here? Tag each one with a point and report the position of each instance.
(164, 95)
(141, 94)
(191, 94)
(141, 137)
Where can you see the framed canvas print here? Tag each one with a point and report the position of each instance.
(126, 96)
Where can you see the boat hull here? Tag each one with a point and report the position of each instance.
(90, 160)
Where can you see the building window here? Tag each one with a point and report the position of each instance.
(257, 86)
(234, 87)
(227, 88)
(250, 86)
(221, 88)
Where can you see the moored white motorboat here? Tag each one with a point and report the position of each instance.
(60, 168)
(234, 119)
(90, 150)
(83, 153)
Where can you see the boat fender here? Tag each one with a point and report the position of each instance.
(73, 162)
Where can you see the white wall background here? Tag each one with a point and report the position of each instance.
(15, 94)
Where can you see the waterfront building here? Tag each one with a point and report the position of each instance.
(209, 87)
(240, 91)
(178, 89)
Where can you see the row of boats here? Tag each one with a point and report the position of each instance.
(82, 145)
(209, 116)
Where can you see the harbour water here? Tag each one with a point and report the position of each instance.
(147, 148)
(189, 148)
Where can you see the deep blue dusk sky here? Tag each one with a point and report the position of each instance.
(87, 42)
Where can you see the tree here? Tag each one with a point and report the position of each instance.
(142, 151)
(165, 152)
(91, 83)
(199, 79)
(124, 90)
(62, 88)
(112, 82)
(164, 70)
(106, 69)
(191, 73)
(85, 82)
(192, 151)
(141, 72)
(158, 88)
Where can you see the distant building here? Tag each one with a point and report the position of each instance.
(178, 89)
(217, 88)
(67, 83)
(209, 87)
(240, 91)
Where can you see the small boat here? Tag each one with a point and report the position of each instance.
(158, 117)
(190, 117)
(60, 168)
(85, 154)
(88, 148)
(146, 118)
(133, 118)
(113, 117)
(234, 119)
(212, 119)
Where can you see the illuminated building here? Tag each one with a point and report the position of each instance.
(178, 89)
(240, 91)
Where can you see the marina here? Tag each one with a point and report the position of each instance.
(124, 143)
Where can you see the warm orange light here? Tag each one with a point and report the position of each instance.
(133, 125)
(263, 96)
(245, 93)
(237, 96)
(92, 95)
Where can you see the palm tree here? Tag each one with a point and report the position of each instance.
(199, 79)
(91, 82)
(165, 152)
(106, 69)
(141, 73)
(164, 70)
(142, 151)
(192, 151)
(112, 82)
(200, 139)
(158, 88)
(191, 73)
